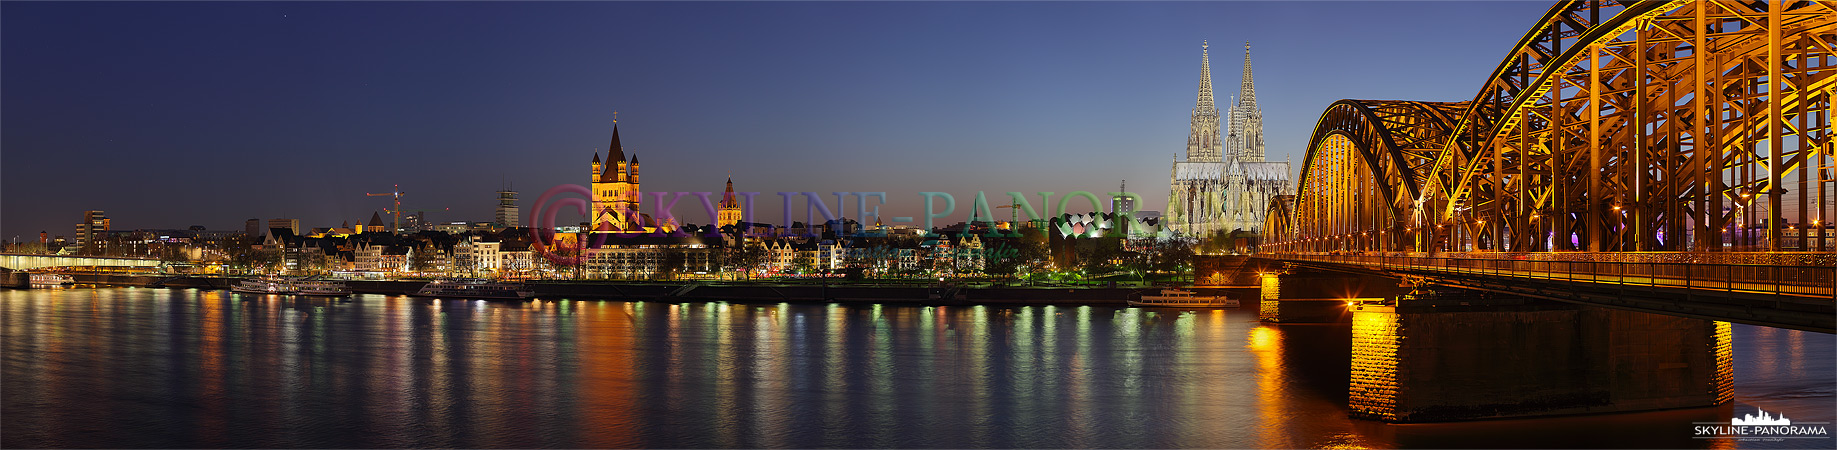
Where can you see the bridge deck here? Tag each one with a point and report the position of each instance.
(1797, 295)
(1626, 269)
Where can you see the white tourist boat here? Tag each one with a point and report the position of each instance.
(329, 288)
(475, 289)
(263, 286)
(51, 279)
(1181, 298)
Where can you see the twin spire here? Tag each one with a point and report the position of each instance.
(1247, 93)
(1205, 143)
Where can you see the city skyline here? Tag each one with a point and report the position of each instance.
(211, 114)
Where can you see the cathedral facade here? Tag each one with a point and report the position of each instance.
(1223, 184)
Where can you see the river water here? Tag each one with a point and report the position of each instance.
(131, 367)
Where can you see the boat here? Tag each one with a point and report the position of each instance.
(330, 288)
(1180, 298)
(51, 279)
(263, 286)
(475, 289)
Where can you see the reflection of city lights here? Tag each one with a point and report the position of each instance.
(1263, 338)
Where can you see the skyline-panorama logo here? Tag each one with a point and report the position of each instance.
(1763, 419)
(1761, 426)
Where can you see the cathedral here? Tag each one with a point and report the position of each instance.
(1224, 184)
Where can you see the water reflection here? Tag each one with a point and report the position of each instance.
(158, 368)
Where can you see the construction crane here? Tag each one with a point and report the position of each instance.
(397, 193)
(1013, 215)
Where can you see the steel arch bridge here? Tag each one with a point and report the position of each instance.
(1609, 127)
(1664, 156)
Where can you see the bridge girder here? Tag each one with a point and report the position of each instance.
(1604, 129)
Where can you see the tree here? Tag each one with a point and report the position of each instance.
(255, 260)
(1218, 241)
(1099, 254)
(671, 262)
(745, 258)
(1170, 255)
(803, 262)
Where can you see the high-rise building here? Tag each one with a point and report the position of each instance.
(92, 227)
(1210, 193)
(1122, 206)
(1121, 203)
(252, 228)
(417, 222)
(507, 209)
(292, 225)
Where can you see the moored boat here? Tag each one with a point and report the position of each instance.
(51, 279)
(331, 288)
(475, 289)
(1180, 298)
(263, 286)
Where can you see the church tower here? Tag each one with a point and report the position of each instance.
(615, 189)
(729, 213)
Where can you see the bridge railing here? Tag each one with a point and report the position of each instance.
(1815, 282)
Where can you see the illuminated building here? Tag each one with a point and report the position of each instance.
(729, 213)
(1197, 183)
(1222, 187)
(93, 225)
(507, 209)
(475, 255)
(1122, 204)
(376, 223)
(616, 190)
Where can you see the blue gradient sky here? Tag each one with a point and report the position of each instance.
(168, 115)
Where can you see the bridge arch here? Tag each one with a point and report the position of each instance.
(1644, 126)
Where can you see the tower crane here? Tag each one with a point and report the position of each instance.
(397, 193)
(1013, 215)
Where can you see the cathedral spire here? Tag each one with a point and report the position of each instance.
(1246, 119)
(1203, 144)
(1247, 93)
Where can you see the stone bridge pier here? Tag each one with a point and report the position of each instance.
(1447, 355)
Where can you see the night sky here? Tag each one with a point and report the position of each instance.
(168, 115)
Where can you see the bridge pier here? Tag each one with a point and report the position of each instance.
(1454, 355)
(1306, 296)
(16, 279)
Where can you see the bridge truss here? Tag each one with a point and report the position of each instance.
(1687, 125)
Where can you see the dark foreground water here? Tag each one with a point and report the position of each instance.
(183, 368)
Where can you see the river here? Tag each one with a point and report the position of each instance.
(136, 367)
